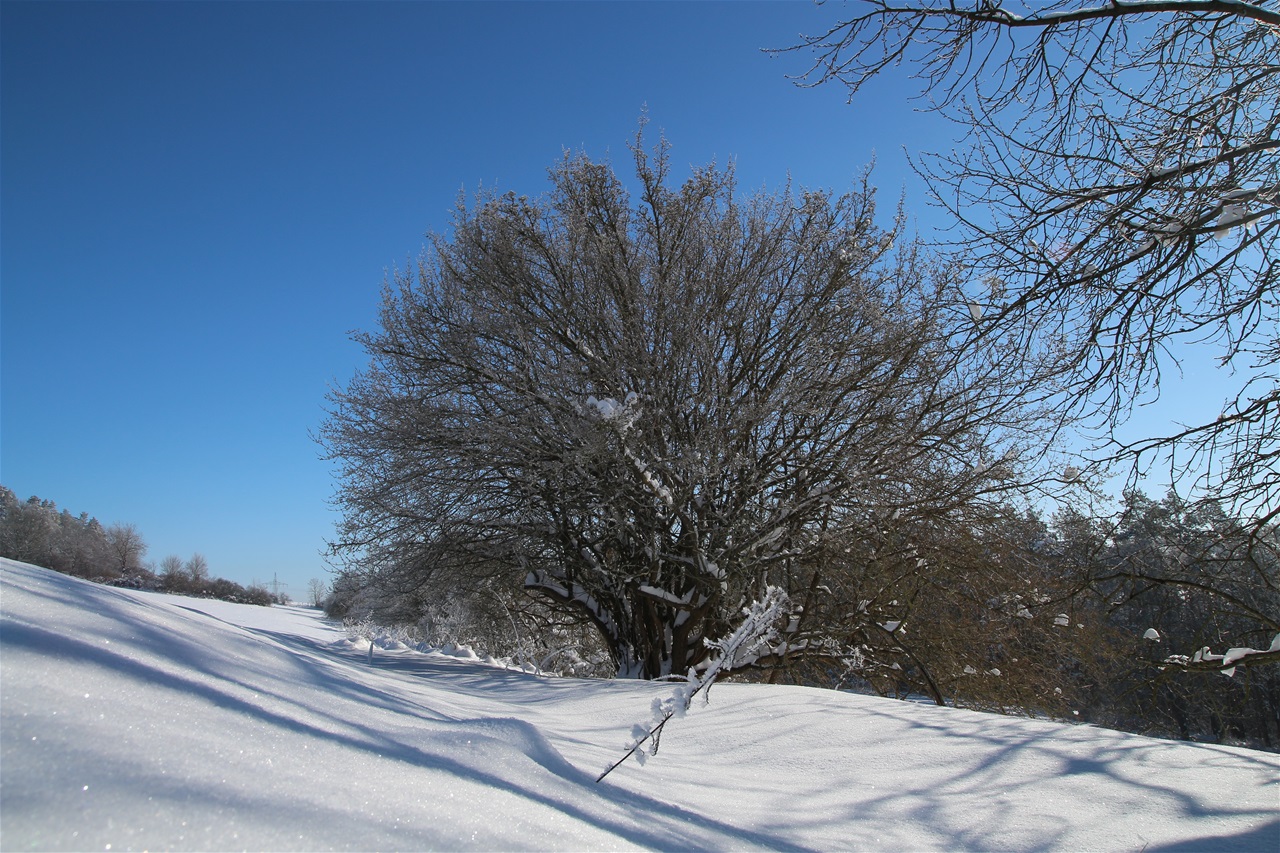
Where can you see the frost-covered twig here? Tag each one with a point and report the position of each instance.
(751, 640)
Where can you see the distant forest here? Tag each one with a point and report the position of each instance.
(37, 532)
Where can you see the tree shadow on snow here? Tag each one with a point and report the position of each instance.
(639, 819)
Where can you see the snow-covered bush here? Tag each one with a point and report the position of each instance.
(514, 627)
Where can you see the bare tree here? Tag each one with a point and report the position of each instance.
(126, 545)
(197, 569)
(317, 591)
(646, 411)
(1118, 189)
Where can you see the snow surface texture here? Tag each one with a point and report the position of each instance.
(132, 720)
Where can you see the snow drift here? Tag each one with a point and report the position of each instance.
(132, 720)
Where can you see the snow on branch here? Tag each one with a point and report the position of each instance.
(684, 602)
(752, 639)
(1206, 661)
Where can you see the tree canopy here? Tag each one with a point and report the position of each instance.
(646, 409)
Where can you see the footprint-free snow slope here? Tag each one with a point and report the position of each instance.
(132, 720)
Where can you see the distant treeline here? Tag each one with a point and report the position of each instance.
(37, 532)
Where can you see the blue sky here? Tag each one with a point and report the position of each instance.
(200, 201)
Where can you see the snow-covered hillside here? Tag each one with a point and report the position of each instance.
(132, 720)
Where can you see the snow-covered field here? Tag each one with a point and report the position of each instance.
(133, 720)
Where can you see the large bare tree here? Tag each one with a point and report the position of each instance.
(647, 409)
(1117, 186)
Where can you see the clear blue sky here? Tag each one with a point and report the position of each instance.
(199, 202)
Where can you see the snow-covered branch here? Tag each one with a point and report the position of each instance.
(1225, 663)
(753, 638)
